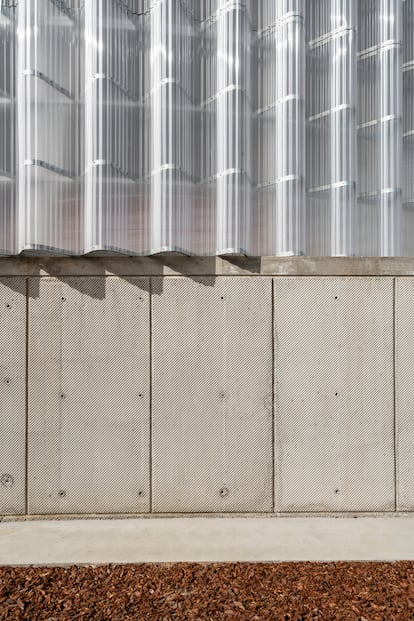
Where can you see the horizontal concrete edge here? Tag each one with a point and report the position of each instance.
(173, 265)
(206, 540)
(45, 517)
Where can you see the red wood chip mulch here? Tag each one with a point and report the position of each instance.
(252, 592)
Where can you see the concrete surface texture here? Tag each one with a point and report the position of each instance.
(206, 394)
(206, 540)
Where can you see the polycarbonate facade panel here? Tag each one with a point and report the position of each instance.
(207, 126)
(334, 394)
(88, 395)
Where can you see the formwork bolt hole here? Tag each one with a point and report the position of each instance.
(337, 491)
(140, 395)
(141, 299)
(336, 297)
(8, 306)
(222, 297)
(140, 493)
(62, 493)
(62, 396)
(7, 381)
(222, 395)
(7, 480)
(336, 394)
(63, 299)
(224, 492)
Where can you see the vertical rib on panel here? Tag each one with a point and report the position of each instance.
(7, 130)
(331, 126)
(227, 111)
(280, 126)
(49, 211)
(408, 127)
(379, 127)
(171, 120)
(116, 215)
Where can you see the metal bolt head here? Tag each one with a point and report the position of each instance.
(224, 492)
(7, 480)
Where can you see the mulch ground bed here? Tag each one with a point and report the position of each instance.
(252, 592)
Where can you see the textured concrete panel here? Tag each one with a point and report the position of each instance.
(404, 391)
(12, 396)
(88, 395)
(334, 427)
(212, 395)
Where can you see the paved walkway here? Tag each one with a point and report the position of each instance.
(206, 539)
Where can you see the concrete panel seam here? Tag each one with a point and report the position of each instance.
(273, 396)
(26, 510)
(395, 392)
(150, 393)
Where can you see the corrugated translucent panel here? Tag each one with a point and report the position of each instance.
(207, 126)
(331, 126)
(115, 203)
(280, 128)
(7, 130)
(408, 127)
(380, 126)
(48, 180)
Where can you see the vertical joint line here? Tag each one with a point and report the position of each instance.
(26, 501)
(150, 394)
(273, 400)
(394, 336)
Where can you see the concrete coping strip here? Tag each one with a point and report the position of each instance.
(179, 265)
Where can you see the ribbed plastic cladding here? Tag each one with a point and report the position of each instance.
(12, 396)
(88, 395)
(334, 425)
(404, 385)
(212, 395)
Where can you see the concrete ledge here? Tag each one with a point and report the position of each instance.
(173, 265)
(206, 540)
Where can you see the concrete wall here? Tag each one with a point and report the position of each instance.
(177, 385)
